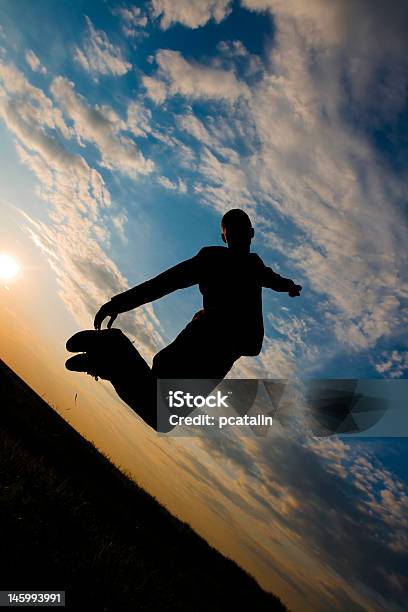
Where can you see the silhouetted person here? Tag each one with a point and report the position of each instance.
(230, 324)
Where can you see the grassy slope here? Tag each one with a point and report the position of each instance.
(70, 520)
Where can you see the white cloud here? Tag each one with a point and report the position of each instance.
(217, 133)
(197, 81)
(393, 364)
(99, 56)
(178, 185)
(184, 154)
(285, 352)
(33, 105)
(133, 21)
(104, 128)
(234, 52)
(192, 125)
(119, 222)
(277, 360)
(138, 119)
(156, 89)
(232, 48)
(34, 63)
(190, 13)
(226, 183)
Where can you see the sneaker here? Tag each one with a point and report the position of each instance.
(91, 340)
(84, 363)
(81, 363)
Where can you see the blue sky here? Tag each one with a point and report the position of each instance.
(129, 128)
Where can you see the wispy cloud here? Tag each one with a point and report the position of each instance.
(34, 63)
(104, 128)
(191, 13)
(99, 56)
(133, 21)
(178, 185)
(155, 88)
(193, 80)
(392, 363)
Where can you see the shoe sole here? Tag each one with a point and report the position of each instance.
(84, 363)
(80, 363)
(89, 339)
(76, 363)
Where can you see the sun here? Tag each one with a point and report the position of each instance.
(9, 267)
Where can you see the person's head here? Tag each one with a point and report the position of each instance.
(237, 230)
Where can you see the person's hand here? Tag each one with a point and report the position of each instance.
(295, 290)
(105, 311)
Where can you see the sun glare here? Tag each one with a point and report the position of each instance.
(9, 267)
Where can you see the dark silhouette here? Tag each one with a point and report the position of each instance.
(230, 324)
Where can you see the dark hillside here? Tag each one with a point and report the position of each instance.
(71, 520)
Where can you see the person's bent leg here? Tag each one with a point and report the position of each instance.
(113, 357)
(140, 395)
(131, 377)
(192, 363)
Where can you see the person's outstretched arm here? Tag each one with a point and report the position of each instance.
(272, 280)
(184, 274)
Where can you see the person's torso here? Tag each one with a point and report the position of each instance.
(232, 296)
